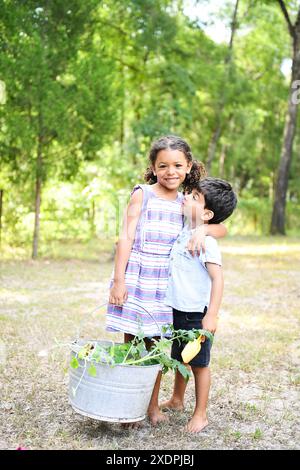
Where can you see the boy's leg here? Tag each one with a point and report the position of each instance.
(176, 402)
(202, 385)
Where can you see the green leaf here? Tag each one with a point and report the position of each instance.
(92, 370)
(167, 328)
(140, 335)
(74, 363)
(141, 349)
(185, 372)
(191, 335)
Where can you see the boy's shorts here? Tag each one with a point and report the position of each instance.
(188, 321)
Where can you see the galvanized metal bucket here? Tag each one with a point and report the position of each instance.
(120, 393)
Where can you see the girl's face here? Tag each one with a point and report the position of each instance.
(171, 168)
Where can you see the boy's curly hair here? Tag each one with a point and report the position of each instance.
(219, 197)
(173, 142)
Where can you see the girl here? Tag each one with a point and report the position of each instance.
(151, 225)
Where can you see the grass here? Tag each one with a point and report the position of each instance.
(87, 250)
(255, 358)
(258, 434)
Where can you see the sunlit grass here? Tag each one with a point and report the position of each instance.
(93, 249)
(262, 245)
(254, 361)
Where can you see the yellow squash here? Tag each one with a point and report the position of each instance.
(191, 350)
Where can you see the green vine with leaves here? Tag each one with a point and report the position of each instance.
(134, 353)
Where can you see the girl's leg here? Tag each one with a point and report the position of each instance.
(136, 424)
(154, 413)
(128, 337)
(202, 385)
(176, 402)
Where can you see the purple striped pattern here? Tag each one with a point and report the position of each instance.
(148, 266)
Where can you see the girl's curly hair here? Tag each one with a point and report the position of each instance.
(173, 142)
(197, 173)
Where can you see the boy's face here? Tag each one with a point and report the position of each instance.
(194, 208)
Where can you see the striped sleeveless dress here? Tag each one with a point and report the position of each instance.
(147, 270)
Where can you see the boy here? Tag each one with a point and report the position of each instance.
(195, 288)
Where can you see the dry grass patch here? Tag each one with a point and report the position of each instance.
(254, 401)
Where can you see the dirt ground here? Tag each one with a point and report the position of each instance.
(254, 399)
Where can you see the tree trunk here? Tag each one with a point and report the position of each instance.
(92, 219)
(1, 209)
(123, 86)
(278, 214)
(222, 160)
(218, 128)
(212, 147)
(38, 191)
(122, 110)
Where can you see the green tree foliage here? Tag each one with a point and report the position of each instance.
(90, 84)
(60, 106)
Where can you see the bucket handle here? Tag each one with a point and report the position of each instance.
(104, 305)
(150, 315)
(84, 319)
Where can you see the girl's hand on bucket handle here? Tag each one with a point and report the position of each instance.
(118, 293)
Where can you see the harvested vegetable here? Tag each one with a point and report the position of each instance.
(191, 350)
(135, 352)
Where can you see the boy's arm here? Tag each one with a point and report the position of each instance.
(211, 318)
(118, 292)
(197, 240)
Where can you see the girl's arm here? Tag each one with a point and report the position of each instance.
(118, 292)
(197, 240)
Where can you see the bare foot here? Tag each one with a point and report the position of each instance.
(156, 417)
(172, 405)
(197, 424)
(134, 425)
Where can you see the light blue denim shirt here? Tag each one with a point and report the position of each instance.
(189, 284)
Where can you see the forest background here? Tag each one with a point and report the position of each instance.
(85, 87)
